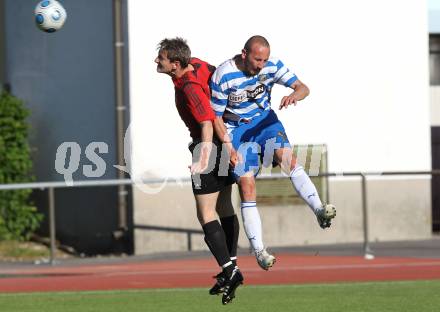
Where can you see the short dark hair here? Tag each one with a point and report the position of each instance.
(256, 39)
(177, 50)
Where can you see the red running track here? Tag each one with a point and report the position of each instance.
(290, 269)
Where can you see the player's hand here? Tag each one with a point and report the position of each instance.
(288, 100)
(235, 158)
(198, 167)
(202, 164)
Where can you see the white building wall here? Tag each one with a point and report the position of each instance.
(367, 69)
(366, 63)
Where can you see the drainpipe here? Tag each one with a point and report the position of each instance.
(120, 114)
(2, 45)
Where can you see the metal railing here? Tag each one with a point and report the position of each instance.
(188, 232)
(51, 186)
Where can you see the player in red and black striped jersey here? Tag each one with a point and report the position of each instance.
(191, 94)
(211, 188)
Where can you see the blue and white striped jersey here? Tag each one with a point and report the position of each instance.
(236, 96)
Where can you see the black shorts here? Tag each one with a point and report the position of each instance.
(218, 176)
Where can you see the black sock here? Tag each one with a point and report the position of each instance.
(231, 227)
(215, 239)
(229, 269)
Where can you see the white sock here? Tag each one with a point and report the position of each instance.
(252, 225)
(305, 188)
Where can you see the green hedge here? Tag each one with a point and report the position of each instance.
(18, 217)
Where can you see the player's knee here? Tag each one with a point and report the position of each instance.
(247, 188)
(206, 216)
(292, 163)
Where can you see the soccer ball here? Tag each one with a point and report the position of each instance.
(50, 15)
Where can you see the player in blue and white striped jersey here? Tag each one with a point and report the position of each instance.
(239, 95)
(245, 122)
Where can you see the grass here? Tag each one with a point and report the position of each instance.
(351, 297)
(14, 250)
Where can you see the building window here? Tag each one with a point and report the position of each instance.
(279, 192)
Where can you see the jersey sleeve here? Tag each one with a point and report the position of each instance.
(283, 75)
(219, 95)
(198, 102)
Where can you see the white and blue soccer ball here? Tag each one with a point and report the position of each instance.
(50, 15)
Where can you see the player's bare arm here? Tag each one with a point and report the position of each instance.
(300, 91)
(205, 151)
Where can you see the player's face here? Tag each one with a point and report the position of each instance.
(164, 65)
(256, 58)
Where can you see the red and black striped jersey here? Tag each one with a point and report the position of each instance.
(193, 96)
